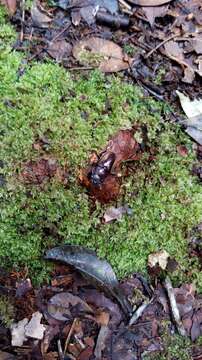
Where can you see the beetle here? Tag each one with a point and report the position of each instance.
(100, 170)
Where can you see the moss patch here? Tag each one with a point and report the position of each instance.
(77, 115)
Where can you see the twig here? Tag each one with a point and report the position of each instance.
(22, 20)
(159, 45)
(174, 308)
(60, 352)
(60, 33)
(139, 311)
(69, 335)
(80, 68)
(125, 4)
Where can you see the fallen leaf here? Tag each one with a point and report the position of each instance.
(159, 258)
(149, 2)
(101, 53)
(10, 4)
(97, 299)
(98, 271)
(40, 16)
(172, 48)
(59, 306)
(193, 110)
(113, 213)
(7, 356)
(59, 50)
(189, 75)
(152, 12)
(124, 146)
(18, 332)
(197, 44)
(34, 329)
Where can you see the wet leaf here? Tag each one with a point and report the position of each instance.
(98, 271)
(59, 306)
(101, 53)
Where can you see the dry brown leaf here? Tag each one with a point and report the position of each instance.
(189, 75)
(197, 44)
(59, 50)
(124, 146)
(59, 305)
(172, 48)
(101, 53)
(40, 16)
(152, 12)
(10, 4)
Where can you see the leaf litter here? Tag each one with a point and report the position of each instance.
(92, 324)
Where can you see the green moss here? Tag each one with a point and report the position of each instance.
(7, 311)
(174, 347)
(78, 114)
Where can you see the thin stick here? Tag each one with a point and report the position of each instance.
(139, 312)
(174, 308)
(22, 20)
(60, 33)
(69, 335)
(159, 45)
(125, 4)
(60, 353)
(81, 68)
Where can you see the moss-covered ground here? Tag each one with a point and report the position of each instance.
(78, 113)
